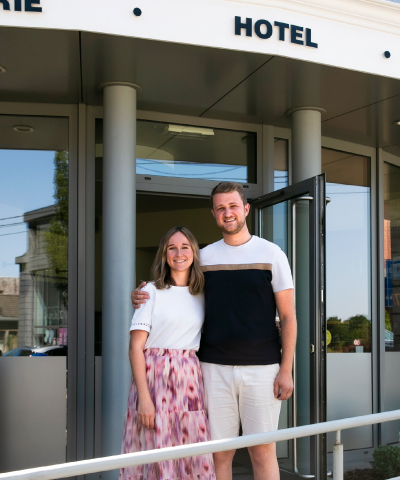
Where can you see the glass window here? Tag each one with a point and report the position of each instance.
(391, 317)
(391, 256)
(33, 289)
(348, 251)
(281, 163)
(185, 151)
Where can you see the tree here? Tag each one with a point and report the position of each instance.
(57, 236)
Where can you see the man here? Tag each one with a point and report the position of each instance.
(245, 374)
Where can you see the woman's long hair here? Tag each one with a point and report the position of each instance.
(161, 271)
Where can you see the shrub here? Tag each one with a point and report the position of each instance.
(386, 463)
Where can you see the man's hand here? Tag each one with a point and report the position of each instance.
(283, 385)
(138, 296)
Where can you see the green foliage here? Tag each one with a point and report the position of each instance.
(57, 236)
(388, 324)
(386, 463)
(344, 333)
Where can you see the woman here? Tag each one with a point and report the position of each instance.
(166, 400)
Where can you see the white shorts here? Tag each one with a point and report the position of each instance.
(240, 394)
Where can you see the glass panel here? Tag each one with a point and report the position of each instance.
(391, 254)
(185, 151)
(274, 227)
(281, 163)
(348, 251)
(33, 289)
(348, 292)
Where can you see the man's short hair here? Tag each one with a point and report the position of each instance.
(228, 187)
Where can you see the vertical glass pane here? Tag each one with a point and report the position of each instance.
(348, 251)
(33, 289)
(274, 228)
(348, 272)
(281, 163)
(391, 229)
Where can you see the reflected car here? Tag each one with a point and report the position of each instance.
(389, 339)
(50, 351)
(20, 352)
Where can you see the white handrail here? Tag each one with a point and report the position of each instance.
(85, 467)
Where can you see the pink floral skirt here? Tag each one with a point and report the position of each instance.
(176, 388)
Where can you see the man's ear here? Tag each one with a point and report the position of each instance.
(212, 211)
(246, 209)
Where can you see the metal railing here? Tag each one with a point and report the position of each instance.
(95, 465)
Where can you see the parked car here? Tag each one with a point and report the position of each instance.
(20, 352)
(389, 339)
(49, 351)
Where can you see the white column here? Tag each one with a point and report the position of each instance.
(306, 142)
(119, 243)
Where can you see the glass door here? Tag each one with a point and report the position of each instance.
(294, 219)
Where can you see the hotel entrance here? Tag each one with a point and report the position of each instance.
(145, 127)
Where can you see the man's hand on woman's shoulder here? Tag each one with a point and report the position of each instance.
(138, 296)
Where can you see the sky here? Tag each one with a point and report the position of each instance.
(26, 183)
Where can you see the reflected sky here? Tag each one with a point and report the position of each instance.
(206, 171)
(348, 247)
(25, 184)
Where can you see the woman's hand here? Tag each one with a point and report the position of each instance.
(147, 413)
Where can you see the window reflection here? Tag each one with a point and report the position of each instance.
(392, 256)
(348, 252)
(34, 243)
(185, 151)
(281, 163)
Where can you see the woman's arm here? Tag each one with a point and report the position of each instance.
(146, 409)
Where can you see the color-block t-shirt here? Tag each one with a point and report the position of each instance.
(239, 326)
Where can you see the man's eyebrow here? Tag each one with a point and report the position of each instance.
(230, 203)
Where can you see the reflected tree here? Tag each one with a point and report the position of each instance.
(57, 236)
(344, 333)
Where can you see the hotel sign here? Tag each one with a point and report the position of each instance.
(22, 5)
(264, 30)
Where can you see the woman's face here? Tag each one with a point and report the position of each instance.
(179, 253)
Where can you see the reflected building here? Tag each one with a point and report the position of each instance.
(42, 309)
(9, 312)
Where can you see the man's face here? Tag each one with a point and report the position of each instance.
(229, 212)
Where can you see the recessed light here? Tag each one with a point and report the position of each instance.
(23, 128)
(396, 122)
(2, 69)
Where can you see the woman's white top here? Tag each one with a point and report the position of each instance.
(172, 316)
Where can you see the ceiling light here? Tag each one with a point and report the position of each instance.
(189, 131)
(23, 128)
(396, 122)
(2, 69)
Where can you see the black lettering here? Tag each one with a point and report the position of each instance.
(17, 6)
(247, 26)
(29, 6)
(257, 29)
(309, 43)
(282, 27)
(6, 4)
(295, 34)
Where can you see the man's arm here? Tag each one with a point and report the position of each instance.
(138, 296)
(283, 386)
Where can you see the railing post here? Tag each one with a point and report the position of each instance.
(337, 458)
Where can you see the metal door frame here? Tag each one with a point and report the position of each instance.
(314, 191)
